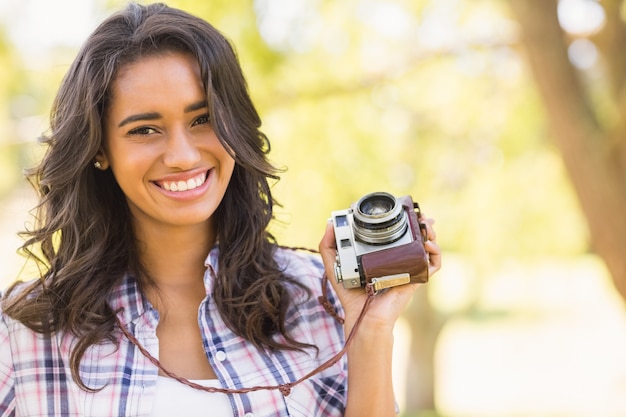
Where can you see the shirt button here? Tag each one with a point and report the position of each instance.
(221, 356)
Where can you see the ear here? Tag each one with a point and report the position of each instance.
(101, 161)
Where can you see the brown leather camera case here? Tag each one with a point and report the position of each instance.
(410, 258)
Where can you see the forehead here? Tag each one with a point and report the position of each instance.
(158, 67)
(159, 79)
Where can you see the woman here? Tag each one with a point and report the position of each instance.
(153, 241)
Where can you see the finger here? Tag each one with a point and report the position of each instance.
(328, 250)
(434, 257)
(430, 231)
(327, 245)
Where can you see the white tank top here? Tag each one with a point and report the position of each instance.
(175, 399)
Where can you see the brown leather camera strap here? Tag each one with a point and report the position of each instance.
(285, 389)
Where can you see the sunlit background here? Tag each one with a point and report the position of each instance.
(433, 99)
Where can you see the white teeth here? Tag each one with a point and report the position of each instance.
(190, 184)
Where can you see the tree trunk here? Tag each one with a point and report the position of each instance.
(425, 325)
(593, 155)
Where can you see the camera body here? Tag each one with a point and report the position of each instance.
(380, 240)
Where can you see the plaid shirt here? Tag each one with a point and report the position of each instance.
(35, 378)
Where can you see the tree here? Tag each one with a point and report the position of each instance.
(593, 149)
(413, 97)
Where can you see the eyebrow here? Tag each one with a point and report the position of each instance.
(154, 115)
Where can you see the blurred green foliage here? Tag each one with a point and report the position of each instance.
(362, 95)
(9, 77)
(420, 97)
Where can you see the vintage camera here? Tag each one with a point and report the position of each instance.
(380, 240)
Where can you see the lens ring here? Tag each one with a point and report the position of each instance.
(379, 219)
(377, 207)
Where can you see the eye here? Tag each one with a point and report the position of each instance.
(201, 120)
(142, 131)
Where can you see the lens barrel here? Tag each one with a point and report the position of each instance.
(379, 219)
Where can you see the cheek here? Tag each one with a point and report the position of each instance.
(226, 161)
(129, 166)
(229, 161)
(228, 167)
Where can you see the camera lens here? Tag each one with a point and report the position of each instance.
(379, 219)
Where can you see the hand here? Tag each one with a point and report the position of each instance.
(386, 306)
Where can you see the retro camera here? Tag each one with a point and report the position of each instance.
(380, 240)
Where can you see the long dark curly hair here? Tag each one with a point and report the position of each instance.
(83, 239)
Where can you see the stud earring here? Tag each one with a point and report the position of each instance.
(97, 164)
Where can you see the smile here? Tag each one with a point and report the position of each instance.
(187, 185)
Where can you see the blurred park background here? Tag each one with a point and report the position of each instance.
(505, 119)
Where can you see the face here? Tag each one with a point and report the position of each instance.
(160, 144)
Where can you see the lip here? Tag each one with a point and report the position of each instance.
(188, 194)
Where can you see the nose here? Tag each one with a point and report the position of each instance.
(181, 151)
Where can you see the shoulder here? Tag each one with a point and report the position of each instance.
(18, 288)
(4, 333)
(7, 393)
(306, 268)
(17, 291)
(300, 260)
(15, 338)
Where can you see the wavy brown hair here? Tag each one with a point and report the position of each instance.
(83, 238)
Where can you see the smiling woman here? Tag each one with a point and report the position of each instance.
(161, 147)
(157, 266)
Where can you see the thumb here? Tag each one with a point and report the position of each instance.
(328, 248)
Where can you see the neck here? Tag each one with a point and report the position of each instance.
(173, 257)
